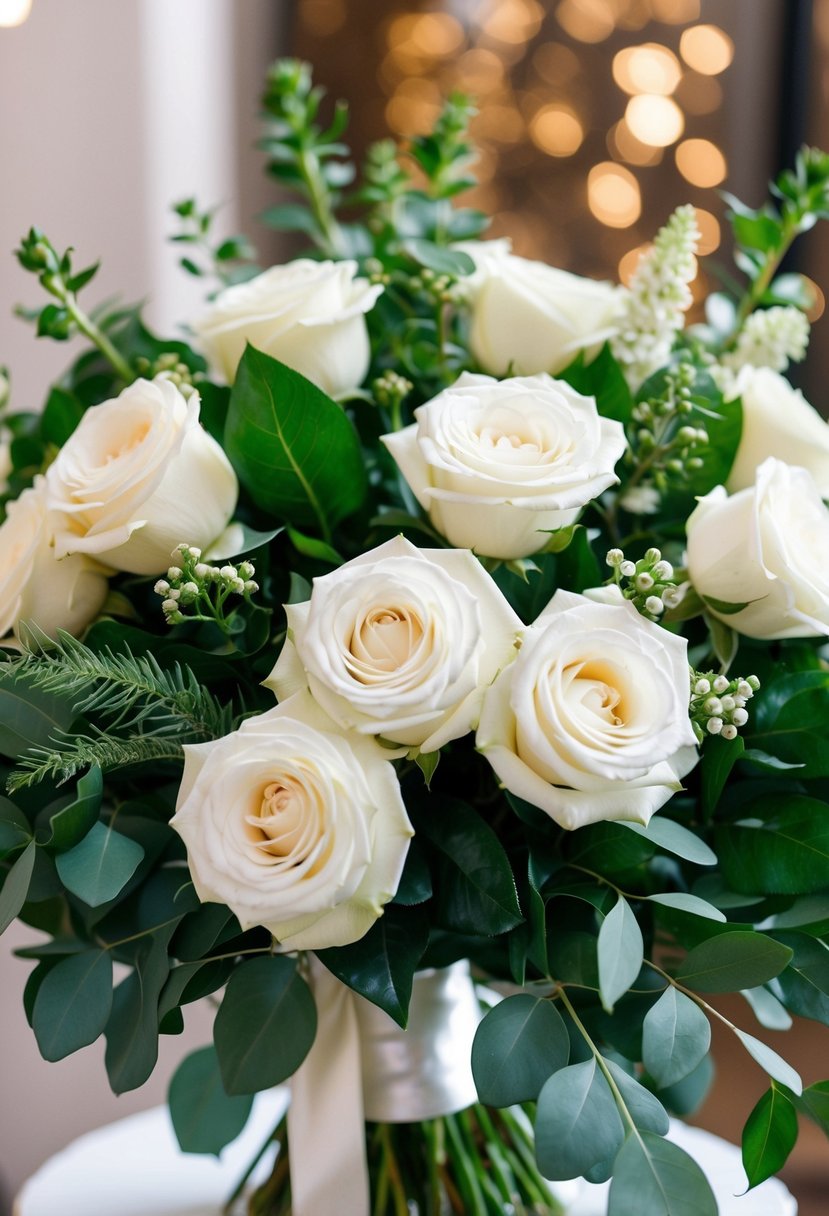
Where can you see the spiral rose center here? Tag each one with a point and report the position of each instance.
(282, 826)
(592, 687)
(494, 438)
(384, 639)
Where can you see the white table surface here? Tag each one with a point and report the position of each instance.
(134, 1168)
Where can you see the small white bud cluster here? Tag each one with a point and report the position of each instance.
(391, 388)
(168, 367)
(770, 337)
(658, 298)
(651, 585)
(664, 441)
(196, 583)
(718, 705)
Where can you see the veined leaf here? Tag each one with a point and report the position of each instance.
(620, 952)
(676, 1037)
(518, 1045)
(769, 1136)
(204, 1117)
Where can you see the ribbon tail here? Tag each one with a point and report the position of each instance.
(326, 1129)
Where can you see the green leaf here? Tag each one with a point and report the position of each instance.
(688, 903)
(724, 640)
(676, 1036)
(674, 838)
(475, 887)
(577, 1124)
(61, 415)
(647, 1112)
(685, 1097)
(73, 1003)
(294, 449)
(438, 258)
(290, 217)
(769, 1136)
(28, 716)
(237, 540)
(718, 759)
(767, 1009)
(265, 1026)
(132, 1029)
(603, 379)
(204, 1117)
(70, 825)
(16, 886)
(814, 1101)
(788, 854)
(655, 1176)
(310, 546)
(805, 982)
(620, 953)
(15, 830)
(98, 868)
(788, 720)
(381, 965)
(734, 960)
(769, 1060)
(518, 1045)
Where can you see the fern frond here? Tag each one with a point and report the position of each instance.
(72, 754)
(124, 688)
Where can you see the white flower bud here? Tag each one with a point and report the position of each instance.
(654, 605)
(728, 704)
(615, 557)
(170, 606)
(653, 555)
(161, 587)
(194, 552)
(702, 687)
(714, 726)
(251, 586)
(663, 570)
(190, 589)
(628, 569)
(182, 548)
(739, 702)
(174, 593)
(713, 705)
(237, 585)
(729, 732)
(202, 570)
(739, 717)
(745, 690)
(753, 682)
(174, 573)
(720, 684)
(246, 570)
(672, 596)
(228, 572)
(643, 581)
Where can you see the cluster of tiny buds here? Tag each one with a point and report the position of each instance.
(168, 367)
(648, 583)
(376, 273)
(679, 447)
(190, 583)
(391, 388)
(718, 705)
(442, 287)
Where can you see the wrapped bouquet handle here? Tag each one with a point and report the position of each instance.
(363, 1066)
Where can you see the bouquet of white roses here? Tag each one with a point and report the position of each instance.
(427, 604)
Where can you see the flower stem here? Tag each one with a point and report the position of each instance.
(57, 287)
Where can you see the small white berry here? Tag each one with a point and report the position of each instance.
(628, 569)
(713, 705)
(720, 684)
(702, 687)
(729, 732)
(174, 574)
(615, 557)
(654, 605)
(714, 726)
(161, 587)
(739, 717)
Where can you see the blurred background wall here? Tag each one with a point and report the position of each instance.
(597, 117)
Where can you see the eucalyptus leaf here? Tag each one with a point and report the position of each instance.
(132, 1029)
(644, 1108)
(29, 717)
(99, 867)
(16, 886)
(73, 1003)
(767, 1009)
(733, 960)
(70, 825)
(784, 852)
(518, 1045)
(620, 952)
(578, 1124)
(676, 1036)
(265, 1025)
(674, 838)
(655, 1176)
(15, 830)
(688, 903)
(204, 1117)
(805, 982)
(774, 1065)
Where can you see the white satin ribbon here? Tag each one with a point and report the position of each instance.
(361, 1067)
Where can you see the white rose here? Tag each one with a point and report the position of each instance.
(528, 317)
(591, 720)
(499, 464)
(294, 826)
(309, 315)
(36, 586)
(777, 421)
(765, 547)
(139, 476)
(399, 642)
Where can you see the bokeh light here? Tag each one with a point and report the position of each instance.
(655, 119)
(701, 162)
(586, 20)
(556, 130)
(650, 68)
(623, 145)
(613, 195)
(675, 12)
(707, 49)
(709, 231)
(14, 12)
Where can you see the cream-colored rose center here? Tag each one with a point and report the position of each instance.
(494, 438)
(284, 825)
(592, 686)
(384, 640)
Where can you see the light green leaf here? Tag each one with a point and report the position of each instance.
(97, 869)
(577, 1124)
(70, 825)
(620, 953)
(774, 1064)
(204, 1117)
(73, 1003)
(676, 1036)
(767, 1009)
(132, 1029)
(647, 1112)
(688, 903)
(674, 838)
(16, 886)
(518, 1045)
(654, 1176)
